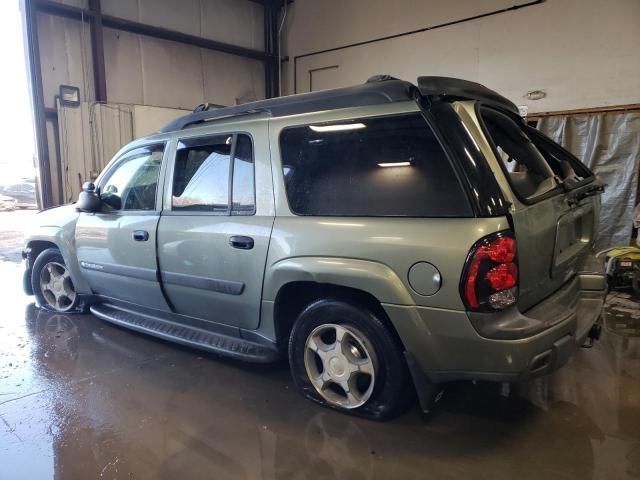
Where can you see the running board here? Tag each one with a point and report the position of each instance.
(238, 348)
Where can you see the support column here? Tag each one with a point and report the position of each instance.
(37, 99)
(271, 40)
(97, 50)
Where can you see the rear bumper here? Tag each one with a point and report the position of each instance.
(446, 346)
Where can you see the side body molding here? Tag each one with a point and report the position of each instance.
(372, 277)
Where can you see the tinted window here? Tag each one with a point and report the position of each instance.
(202, 175)
(529, 173)
(133, 183)
(243, 183)
(391, 166)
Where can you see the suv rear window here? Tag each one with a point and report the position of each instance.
(383, 166)
(528, 172)
(569, 169)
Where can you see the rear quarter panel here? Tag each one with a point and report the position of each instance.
(385, 246)
(385, 249)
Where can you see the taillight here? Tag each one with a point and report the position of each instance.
(490, 277)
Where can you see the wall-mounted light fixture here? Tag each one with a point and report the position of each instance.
(69, 96)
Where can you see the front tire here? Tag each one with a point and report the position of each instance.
(343, 357)
(52, 284)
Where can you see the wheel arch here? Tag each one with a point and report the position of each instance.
(54, 237)
(295, 296)
(36, 247)
(293, 283)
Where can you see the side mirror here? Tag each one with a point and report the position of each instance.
(88, 200)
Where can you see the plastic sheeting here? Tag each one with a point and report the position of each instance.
(610, 146)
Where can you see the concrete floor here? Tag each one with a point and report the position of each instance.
(82, 399)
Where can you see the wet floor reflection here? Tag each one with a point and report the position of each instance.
(82, 399)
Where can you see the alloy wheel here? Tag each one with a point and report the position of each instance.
(57, 287)
(341, 365)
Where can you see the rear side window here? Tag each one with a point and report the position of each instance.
(201, 175)
(383, 166)
(244, 201)
(214, 174)
(528, 172)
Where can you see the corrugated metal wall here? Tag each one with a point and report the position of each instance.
(148, 71)
(141, 71)
(92, 134)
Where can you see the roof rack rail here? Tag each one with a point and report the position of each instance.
(381, 90)
(207, 116)
(378, 90)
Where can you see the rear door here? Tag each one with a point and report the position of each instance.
(214, 231)
(555, 211)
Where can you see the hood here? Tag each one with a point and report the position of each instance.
(56, 216)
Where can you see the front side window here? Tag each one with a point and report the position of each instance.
(133, 183)
(382, 166)
(529, 174)
(206, 168)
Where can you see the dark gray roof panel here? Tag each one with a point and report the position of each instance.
(455, 88)
(371, 93)
(377, 90)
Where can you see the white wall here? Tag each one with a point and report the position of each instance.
(582, 53)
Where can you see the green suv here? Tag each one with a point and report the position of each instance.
(383, 236)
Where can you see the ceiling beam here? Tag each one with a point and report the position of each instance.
(108, 21)
(166, 34)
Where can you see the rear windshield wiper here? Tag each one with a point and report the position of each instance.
(591, 190)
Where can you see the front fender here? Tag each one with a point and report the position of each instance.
(372, 277)
(64, 239)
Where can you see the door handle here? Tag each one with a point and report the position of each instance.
(140, 235)
(241, 242)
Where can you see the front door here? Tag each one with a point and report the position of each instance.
(213, 236)
(117, 246)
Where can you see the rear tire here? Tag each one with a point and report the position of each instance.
(342, 356)
(51, 283)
